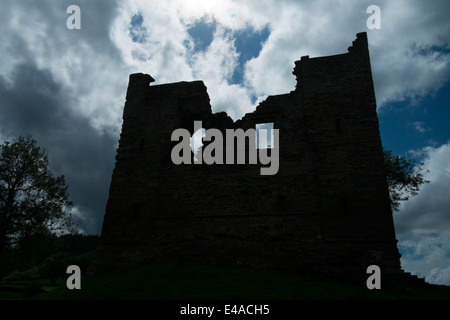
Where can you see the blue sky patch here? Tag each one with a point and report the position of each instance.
(248, 43)
(429, 50)
(202, 33)
(138, 32)
(405, 127)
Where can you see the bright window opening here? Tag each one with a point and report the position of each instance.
(264, 135)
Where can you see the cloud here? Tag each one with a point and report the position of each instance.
(406, 65)
(427, 254)
(423, 222)
(420, 127)
(407, 55)
(439, 276)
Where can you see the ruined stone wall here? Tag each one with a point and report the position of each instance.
(327, 209)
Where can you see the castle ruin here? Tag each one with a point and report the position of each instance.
(326, 210)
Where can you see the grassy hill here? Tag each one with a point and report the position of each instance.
(205, 282)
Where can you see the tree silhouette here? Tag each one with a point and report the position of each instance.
(32, 201)
(404, 177)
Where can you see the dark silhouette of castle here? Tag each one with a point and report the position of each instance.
(326, 210)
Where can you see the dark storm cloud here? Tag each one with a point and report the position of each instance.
(60, 86)
(31, 102)
(35, 104)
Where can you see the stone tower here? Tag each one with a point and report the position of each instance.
(326, 210)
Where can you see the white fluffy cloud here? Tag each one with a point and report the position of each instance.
(423, 222)
(409, 57)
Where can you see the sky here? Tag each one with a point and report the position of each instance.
(67, 86)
